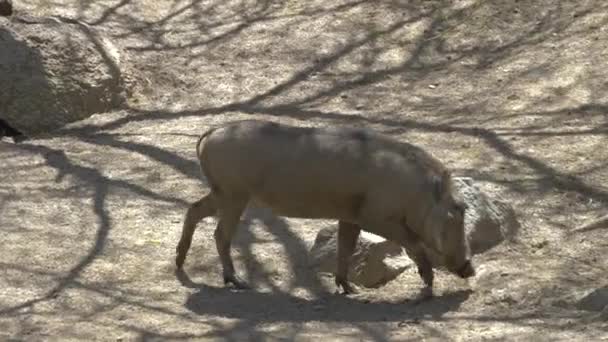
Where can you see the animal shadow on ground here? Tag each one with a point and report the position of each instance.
(266, 307)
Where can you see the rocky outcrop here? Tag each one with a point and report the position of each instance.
(489, 219)
(55, 71)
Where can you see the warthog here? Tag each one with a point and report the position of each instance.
(362, 179)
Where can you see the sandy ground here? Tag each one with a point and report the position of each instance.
(511, 93)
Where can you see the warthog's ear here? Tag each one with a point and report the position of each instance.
(446, 176)
(442, 185)
(437, 185)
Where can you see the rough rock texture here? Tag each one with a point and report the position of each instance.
(489, 220)
(374, 263)
(55, 71)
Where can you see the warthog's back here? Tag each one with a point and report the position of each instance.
(315, 172)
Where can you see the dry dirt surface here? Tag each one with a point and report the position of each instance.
(511, 93)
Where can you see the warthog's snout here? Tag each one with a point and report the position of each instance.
(466, 270)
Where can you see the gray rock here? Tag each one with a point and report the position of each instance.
(489, 220)
(594, 300)
(55, 71)
(375, 261)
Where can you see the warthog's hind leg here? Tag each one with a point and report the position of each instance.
(348, 234)
(230, 211)
(197, 211)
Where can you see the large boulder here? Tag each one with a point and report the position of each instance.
(489, 220)
(54, 71)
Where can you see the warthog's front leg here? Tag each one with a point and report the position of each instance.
(230, 210)
(425, 268)
(197, 211)
(348, 234)
(401, 234)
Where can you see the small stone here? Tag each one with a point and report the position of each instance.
(408, 322)
(594, 300)
(540, 244)
(603, 315)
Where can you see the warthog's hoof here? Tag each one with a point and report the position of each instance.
(426, 293)
(236, 282)
(466, 271)
(346, 286)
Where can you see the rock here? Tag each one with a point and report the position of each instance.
(6, 8)
(594, 300)
(55, 71)
(489, 220)
(375, 261)
(600, 222)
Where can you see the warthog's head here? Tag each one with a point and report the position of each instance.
(446, 224)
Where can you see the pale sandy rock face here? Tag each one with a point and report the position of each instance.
(55, 72)
(374, 262)
(489, 219)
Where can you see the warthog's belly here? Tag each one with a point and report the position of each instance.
(312, 204)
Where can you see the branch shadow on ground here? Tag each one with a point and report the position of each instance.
(220, 301)
(99, 185)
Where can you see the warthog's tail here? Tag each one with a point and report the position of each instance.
(197, 211)
(203, 160)
(202, 137)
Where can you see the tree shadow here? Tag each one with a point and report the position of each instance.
(100, 187)
(294, 247)
(470, 115)
(280, 307)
